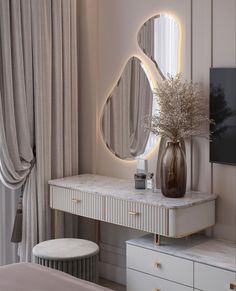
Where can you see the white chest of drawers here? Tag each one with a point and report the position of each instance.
(116, 201)
(195, 263)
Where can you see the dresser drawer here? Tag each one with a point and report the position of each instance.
(161, 265)
(137, 281)
(77, 202)
(209, 278)
(146, 217)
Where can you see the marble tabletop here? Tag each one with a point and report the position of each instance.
(217, 253)
(124, 189)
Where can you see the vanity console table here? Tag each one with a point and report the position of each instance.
(116, 201)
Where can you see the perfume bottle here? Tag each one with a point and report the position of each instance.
(142, 166)
(150, 181)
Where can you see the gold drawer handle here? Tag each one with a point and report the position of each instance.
(232, 286)
(133, 212)
(76, 200)
(157, 265)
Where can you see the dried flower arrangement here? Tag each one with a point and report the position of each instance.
(182, 110)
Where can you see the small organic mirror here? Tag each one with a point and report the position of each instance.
(159, 39)
(124, 112)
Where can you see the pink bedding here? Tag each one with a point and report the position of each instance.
(33, 277)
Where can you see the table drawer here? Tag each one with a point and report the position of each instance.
(77, 202)
(146, 217)
(161, 265)
(137, 281)
(209, 278)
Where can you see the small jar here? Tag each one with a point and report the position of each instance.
(140, 180)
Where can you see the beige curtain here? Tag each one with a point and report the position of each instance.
(16, 111)
(56, 100)
(38, 55)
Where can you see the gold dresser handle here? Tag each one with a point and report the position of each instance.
(157, 265)
(232, 286)
(74, 200)
(133, 212)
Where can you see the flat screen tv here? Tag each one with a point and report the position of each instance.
(223, 112)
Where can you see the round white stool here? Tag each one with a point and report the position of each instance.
(77, 257)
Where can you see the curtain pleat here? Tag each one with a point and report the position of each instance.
(74, 87)
(30, 218)
(64, 101)
(57, 140)
(39, 48)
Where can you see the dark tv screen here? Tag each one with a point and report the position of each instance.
(223, 112)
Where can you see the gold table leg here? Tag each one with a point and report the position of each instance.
(55, 223)
(97, 231)
(98, 234)
(157, 239)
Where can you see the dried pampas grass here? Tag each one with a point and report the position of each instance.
(182, 110)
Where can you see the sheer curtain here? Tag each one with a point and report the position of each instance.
(38, 57)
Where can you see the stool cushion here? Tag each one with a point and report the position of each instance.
(65, 249)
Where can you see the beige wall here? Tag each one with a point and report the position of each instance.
(108, 31)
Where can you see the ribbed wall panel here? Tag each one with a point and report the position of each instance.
(150, 218)
(86, 268)
(90, 205)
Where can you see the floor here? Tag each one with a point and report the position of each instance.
(112, 285)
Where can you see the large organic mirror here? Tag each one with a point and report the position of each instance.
(159, 38)
(132, 98)
(122, 120)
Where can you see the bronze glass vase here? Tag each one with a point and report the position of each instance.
(173, 171)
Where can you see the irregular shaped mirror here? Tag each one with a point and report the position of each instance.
(123, 114)
(159, 38)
